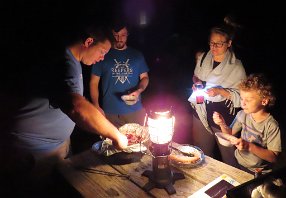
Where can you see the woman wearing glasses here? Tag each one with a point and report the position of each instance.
(219, 71)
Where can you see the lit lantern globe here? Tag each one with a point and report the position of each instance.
(161, 127)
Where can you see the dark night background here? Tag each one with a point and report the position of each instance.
(32, 32)
(175, 30)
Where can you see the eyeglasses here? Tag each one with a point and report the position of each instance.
(218, 45)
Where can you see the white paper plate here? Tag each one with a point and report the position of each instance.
(135, 133)
(187, 161)
(129, 99)
(138, 133)
(224, 139)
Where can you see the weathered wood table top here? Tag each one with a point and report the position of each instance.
(112, 179)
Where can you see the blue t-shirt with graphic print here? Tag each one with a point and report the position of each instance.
(119, 74)
(37, 123)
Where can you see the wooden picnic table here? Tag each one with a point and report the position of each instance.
(108, 177)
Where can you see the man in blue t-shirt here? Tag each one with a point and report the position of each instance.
(42, 109)
(122, 72)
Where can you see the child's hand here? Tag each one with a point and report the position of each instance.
(218, 119)
(241, 144)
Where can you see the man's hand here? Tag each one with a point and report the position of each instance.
(101, 110)
(135, 93)
(121, 142)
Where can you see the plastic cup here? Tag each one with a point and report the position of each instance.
(200, 99)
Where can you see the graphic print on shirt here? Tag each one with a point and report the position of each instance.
(121, 71)
(251, 136)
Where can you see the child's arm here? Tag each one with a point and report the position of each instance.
(265, 154)
(218, 119)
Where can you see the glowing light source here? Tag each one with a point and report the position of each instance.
(161, 127)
